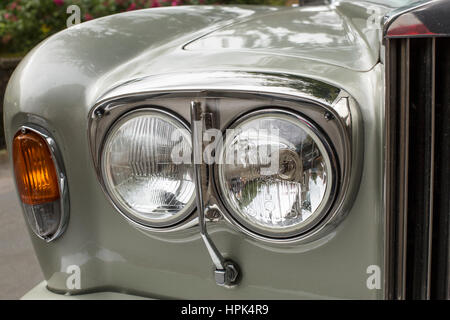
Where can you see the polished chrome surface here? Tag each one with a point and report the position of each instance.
(404, 160)
(396, 207)
(62, 180)
(431, 14)
(114, 196)
(229, 95)
(184, 221)
(394, 14)
(432, 167)
(226, 272)
(217, 80)
(389, 141)
(410, 168)
(326, 202)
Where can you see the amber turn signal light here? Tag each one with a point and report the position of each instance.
(36, 177)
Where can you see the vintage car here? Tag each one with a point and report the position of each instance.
(239, 152)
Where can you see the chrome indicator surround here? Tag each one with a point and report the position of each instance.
(229, 95)
(62, 179)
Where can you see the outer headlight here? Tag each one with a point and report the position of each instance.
(283, 192)
(138, 170)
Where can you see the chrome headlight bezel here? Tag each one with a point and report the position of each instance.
(329, 197)
(115, 198)
(331, 109)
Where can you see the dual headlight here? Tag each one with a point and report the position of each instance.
(139, 173)
(278, 183)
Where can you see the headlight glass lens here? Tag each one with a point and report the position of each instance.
(138, 170)
(276, 173)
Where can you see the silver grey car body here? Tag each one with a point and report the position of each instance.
(60, 82)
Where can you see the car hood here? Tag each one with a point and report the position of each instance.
(332, 44)
(343, 35)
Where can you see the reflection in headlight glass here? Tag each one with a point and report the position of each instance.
(138, 168)
(275, 174)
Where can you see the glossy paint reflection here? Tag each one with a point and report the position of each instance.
(58, 83)
(314, 32)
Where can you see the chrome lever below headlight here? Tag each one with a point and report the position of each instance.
(226, 272)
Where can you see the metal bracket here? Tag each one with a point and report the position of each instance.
(226, 272)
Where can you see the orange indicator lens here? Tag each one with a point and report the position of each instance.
(34, 169)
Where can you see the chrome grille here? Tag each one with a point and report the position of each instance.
(417, 167)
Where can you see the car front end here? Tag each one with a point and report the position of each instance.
(122, 137)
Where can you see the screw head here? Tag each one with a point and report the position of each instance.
(99, 113)
(328, 115)
(213, 214)
(232, 273)
(227, 277)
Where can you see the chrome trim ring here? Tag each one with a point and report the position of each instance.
(333, 172)
(111, 194)
(62, 180)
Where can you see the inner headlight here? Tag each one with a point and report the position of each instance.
(277, 173)
(139, 173)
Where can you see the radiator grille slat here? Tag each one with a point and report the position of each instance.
(440, 258)
(417, 168)
(420, 169)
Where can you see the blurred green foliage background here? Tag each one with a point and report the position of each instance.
(25, 23)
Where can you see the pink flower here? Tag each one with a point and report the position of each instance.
(9, 16)
(13, 5)
(58, 2)
(155, 4)
(132, 7)
(88, 17)
(174, 3)
(6, 38)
